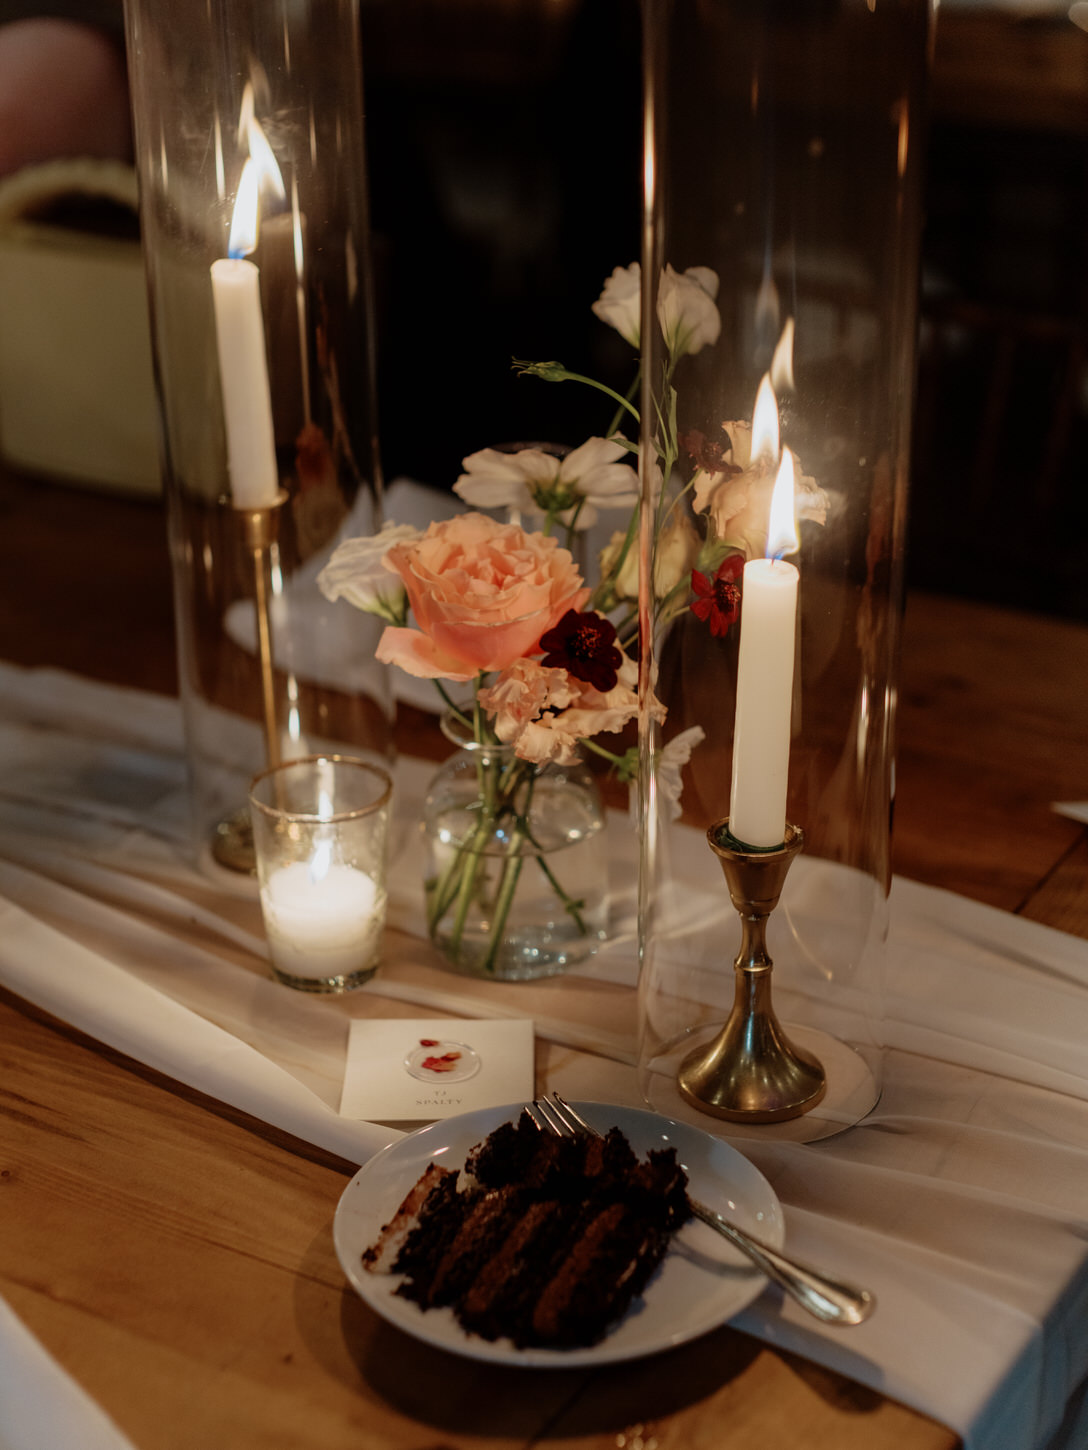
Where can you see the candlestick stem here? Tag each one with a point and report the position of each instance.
(232, 843)
(751, 1072)
(260, 529)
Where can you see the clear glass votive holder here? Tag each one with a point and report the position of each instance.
(320, 833)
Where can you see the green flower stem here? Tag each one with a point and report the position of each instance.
(571, 905)
(446, 888)
(554, 372)
(632, 393)
(609, 755)
(457, 713)
(511, 873)
(604, 586)
(469, 856)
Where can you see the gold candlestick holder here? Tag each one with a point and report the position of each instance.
(232, 839)
(751, 1072)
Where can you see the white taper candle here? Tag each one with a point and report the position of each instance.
(768, 628)
(761, 737)
(243, 371)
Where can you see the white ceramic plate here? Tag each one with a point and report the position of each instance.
(701, 1283)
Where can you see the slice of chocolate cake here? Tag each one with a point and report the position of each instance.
(544, 1240)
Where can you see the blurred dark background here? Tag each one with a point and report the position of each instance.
(505, 184)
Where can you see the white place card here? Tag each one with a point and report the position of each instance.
(416, 1070)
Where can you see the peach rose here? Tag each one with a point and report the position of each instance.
(482, 593)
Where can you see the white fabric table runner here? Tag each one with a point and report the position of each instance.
(960, 1200)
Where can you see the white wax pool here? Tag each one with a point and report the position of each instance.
(325, 927)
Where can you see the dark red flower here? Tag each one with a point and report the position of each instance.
(717, 600)
(584, 644)
(707, 453)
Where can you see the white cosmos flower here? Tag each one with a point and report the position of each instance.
(670, 762)
(536, 482)
(356, 573)
(686, 309)
(620, 303)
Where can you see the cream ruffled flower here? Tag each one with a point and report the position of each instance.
(526, 705)
(568, 489)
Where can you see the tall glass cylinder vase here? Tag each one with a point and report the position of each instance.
(780, 268)
(249, 139)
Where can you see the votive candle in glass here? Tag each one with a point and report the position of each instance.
(320, 830)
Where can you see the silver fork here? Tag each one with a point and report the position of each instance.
(828, 1299)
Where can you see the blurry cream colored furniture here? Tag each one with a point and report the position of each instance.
(76, 393)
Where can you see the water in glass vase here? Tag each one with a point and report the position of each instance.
(516, 882)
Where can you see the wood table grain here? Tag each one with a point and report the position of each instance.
(176, 1256)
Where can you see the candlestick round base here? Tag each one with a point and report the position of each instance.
(751, 1073)
(232, 843)
(327, 985)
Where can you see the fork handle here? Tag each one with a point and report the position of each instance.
(828, 1299)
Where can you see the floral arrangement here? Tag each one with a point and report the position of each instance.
(504, 608)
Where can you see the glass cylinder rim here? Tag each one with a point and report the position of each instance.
(311, 817)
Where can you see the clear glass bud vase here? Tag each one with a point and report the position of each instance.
(780, 273)
(516, 883)
(249, 143)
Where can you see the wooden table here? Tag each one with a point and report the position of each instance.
(176, 1256)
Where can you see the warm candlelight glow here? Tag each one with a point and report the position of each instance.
(782, 530)
(243, 226)
(260, 174)
(765, 444)
(782, 362)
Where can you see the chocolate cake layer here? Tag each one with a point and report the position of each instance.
(549, 1244)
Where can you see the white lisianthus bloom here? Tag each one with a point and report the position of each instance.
(620, 303)
(674, 558)
(625, 579)
(675, 555)
(545, 713)
(356, 573)
(670, 762)
(569, 489)
(686, 309)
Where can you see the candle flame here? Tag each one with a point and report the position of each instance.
(782, 362)
(782, 528)
(260, 175)
(243, 226)
(765, 441)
